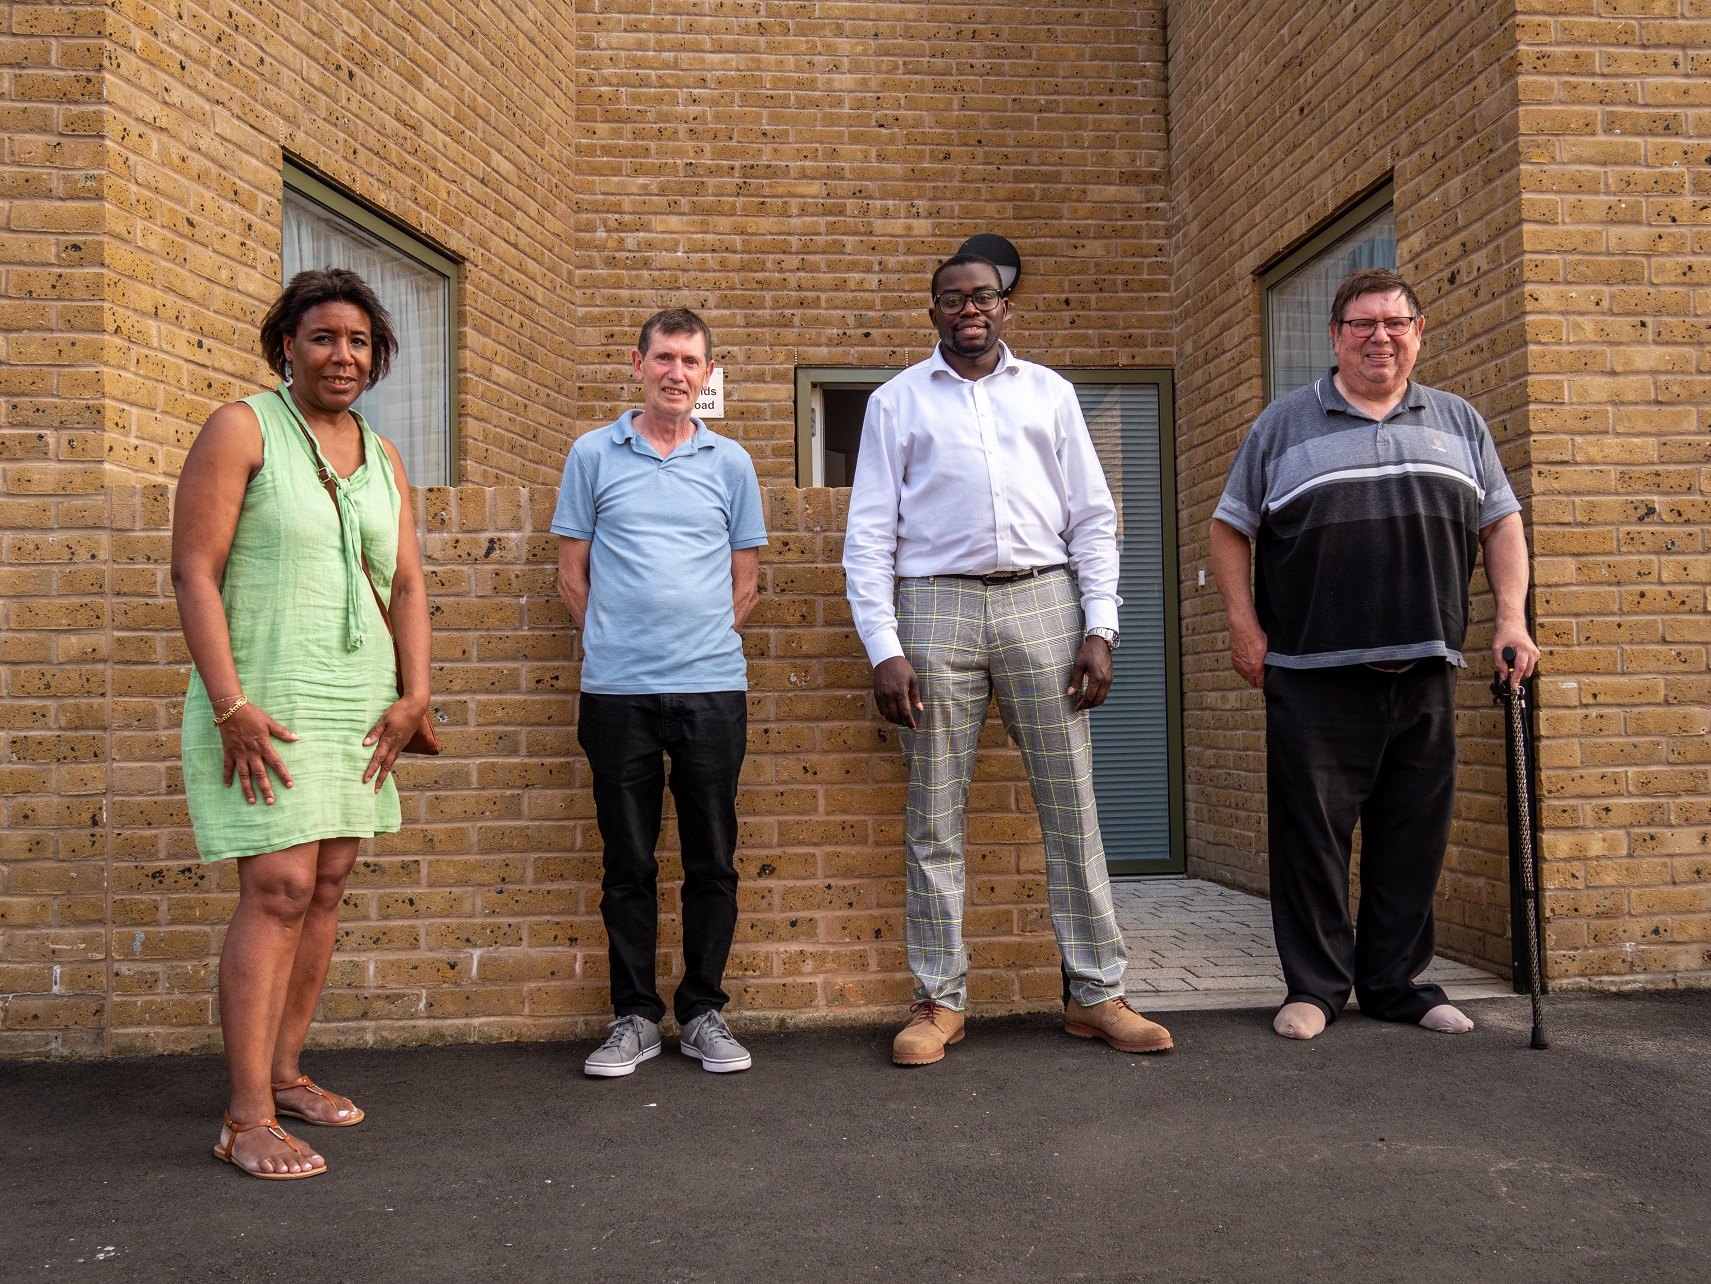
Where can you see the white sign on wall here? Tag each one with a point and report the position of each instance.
(712, 401)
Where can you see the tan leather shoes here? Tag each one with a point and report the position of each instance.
(1118, 1024)
(932, 1027)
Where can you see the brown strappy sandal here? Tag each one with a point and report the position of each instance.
(272, 1125)
(304, 1081)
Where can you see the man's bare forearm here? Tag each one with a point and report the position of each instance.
(1232, 563)
(1506, 568)
(745, 584)
(1232, 567)
(573, 583)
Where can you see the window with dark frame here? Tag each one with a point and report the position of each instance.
(1298, 289)
(831, 402)
(415, 407)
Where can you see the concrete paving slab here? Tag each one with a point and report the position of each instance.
(1200, 944)
(1377, 1153)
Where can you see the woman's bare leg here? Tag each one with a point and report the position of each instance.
(309, 977)
(274, 892)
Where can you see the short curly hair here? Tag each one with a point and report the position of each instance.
(309, 290)
(963, 260)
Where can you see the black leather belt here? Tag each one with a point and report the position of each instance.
(1009, 577)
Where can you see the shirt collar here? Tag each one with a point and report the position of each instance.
(1413, 396)
(624, 430)
(1007, 364)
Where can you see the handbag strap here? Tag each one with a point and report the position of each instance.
(329, 479)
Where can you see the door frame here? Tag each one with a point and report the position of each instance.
(1177, 865)
(808, 378)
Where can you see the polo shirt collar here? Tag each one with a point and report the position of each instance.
(624, 430)
(1007, 364)
(1413, 397)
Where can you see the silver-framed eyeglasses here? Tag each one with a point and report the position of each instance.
(952, 302)
(1366, 327)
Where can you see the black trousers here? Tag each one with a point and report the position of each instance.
(626, 738)
(1347, 744)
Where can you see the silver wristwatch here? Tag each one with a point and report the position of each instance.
(1108, 635)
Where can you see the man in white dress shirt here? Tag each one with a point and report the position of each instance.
(981, 557)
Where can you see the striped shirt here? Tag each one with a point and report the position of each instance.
(1365, 531)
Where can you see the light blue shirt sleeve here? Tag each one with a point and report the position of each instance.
(574, 514)
(748, 520)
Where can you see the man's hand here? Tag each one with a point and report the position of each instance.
(1090, 683)
(896, 692)
(1514, 633)
(1247, 652)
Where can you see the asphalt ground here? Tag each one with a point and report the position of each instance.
(1376, 1153)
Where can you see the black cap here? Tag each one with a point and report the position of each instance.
(1002, 255)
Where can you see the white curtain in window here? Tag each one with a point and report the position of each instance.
(412, 405)
(1298, 342)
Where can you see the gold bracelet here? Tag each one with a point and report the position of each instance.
(237, 704)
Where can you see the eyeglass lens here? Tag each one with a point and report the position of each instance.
(955, 300)
(1395, 327)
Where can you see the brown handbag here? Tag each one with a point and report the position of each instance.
(424, 741)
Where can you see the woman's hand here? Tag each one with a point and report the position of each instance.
(248, 737)
(390, 735)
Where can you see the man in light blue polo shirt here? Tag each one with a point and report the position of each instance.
(659, 561)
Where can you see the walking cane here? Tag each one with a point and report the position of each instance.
(1523, 856)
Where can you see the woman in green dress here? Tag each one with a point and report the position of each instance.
(294, 715)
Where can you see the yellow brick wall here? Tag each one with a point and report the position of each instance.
(792, 171)
(56, 776)
(54, 560)
(54, 332)
(1615, 149)
(1551, 169)
(169, 124)
(1283, 115)
(795, 171)
(480, 919)
(814, 164)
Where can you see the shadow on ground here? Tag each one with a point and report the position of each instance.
(1378, 1153)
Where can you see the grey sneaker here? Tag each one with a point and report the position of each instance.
(709, 1040)
(634, 1039)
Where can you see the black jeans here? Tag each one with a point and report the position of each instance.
(625, 738)
(1346, 744)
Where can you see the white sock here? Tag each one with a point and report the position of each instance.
(1447, 1020)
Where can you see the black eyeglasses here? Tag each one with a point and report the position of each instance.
(952, 302)
(1366, 327)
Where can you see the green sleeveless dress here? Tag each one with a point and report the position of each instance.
(311, 648)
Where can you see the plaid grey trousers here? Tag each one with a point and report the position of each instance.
(966, 640)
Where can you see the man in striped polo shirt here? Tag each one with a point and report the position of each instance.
(1368, 497)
